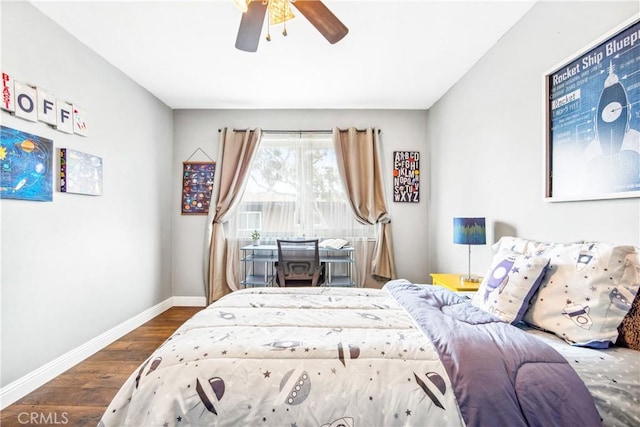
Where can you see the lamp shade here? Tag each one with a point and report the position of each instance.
(469, 231)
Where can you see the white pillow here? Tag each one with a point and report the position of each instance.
(587, 291)
(509, 284)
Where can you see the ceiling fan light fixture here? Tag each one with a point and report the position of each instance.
(243, 5)
(279, 11)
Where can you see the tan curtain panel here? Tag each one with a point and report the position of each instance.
(361, 173)
(237, 150)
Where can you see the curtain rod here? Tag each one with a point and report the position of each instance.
(298, 131)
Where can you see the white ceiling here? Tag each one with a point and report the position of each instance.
(397, 55)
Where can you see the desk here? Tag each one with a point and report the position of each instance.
(268, 256)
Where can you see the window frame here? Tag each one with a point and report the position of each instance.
(305, 210)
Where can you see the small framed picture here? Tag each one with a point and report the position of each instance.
(80, 173)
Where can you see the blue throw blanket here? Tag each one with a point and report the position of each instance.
(501, 376)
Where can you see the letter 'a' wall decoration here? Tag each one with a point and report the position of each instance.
(8, 93)
(406, 176)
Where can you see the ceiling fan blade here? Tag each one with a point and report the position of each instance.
(251, 27)
(323, 19)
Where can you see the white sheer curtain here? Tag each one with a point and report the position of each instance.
(294, 190)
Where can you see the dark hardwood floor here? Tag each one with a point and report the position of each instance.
(79, 396)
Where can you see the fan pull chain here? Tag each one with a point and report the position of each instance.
(266, 2)
(284, 24)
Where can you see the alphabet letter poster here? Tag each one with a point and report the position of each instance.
(406, 176)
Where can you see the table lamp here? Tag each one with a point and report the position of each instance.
(469, 231)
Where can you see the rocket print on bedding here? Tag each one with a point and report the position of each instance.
(243, 362)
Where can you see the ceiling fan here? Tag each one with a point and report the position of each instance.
(254, 12)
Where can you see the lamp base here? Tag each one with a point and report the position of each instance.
(469, 279)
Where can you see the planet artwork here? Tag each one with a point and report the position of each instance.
(26, 162)
(197, 186)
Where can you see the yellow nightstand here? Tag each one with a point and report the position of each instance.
(452, 282)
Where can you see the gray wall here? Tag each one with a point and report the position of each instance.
(486, 139)
(401, 130)
(80, 265)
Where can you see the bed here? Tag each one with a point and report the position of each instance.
(612, 376)
(404, 355)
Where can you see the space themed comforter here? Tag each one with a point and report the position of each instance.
(405, 355)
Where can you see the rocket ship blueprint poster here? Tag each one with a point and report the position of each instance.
(593, 121)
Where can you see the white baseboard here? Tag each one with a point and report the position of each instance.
(28, 383)
(189, 301)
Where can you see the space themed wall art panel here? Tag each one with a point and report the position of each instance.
(80, 173)
(26, 162)
(592, 126)
(197, 185)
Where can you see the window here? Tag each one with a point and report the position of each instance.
(294, 190)
(249, 221)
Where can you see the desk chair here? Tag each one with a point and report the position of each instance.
(298, 263)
